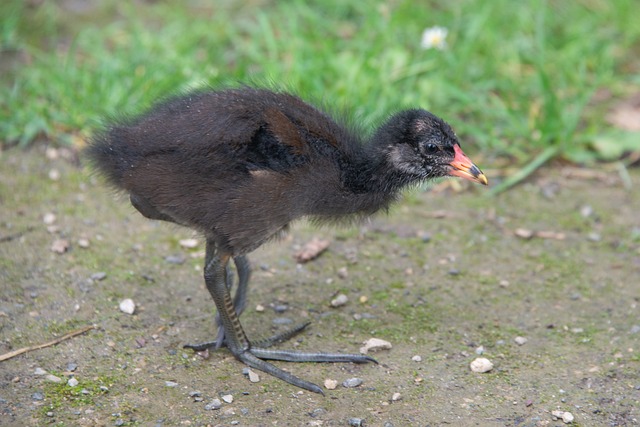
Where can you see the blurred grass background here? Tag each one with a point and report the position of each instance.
(523, 82)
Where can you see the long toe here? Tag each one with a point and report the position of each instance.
(298, 356)
(200, 347)
(280, 337)
(255, 362)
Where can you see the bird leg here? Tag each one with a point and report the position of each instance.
(240, 298)
(239, 301)
(215, 277)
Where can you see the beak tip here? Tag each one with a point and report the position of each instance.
(482, 179)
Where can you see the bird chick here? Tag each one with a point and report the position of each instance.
(239, 165)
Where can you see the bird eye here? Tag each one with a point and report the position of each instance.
(431, 148)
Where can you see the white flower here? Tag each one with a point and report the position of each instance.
(434, 37)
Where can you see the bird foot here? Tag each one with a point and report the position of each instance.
(258, 352)
(263, 343)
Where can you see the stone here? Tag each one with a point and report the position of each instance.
(481, 365)
(375, 344)
(127, 306)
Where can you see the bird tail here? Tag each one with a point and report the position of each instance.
(110, 155)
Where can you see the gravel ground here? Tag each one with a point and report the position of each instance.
(542, 282)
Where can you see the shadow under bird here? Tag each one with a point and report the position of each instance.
(239, 165)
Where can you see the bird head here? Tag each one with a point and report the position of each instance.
(424, 146)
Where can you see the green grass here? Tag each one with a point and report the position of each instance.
(517, 79)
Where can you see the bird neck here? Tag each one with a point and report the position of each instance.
(373, 177)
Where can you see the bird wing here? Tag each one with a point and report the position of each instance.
(277, 144)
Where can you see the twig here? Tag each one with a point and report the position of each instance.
(10, 237)
(437, 214)
(18, 352)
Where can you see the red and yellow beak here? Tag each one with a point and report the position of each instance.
(464, 168)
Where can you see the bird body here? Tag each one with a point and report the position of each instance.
(240, 164)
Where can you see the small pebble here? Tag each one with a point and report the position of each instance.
(352, 382)
(343, 273)
(127, 306)
(567, 417)
(215, 404)
(104, 388)
(330, 384)
(228, 398)
(54, 174)
(339, 301)
(253, 377)
(72, 382)
(170, 384)
(53, 378)
(375, 344)
(481, 365)
(586, 211)
(480, 350)
(594, 237)
(49, 218)
(84, 243)
(188, 243)
(396, 397)
(634, 329)
(37, 396)
(71, 367)
(52, 153)
(101, 275)
(49, 414)
(523, 233)
(282, 321)
(520, 340)
(280, 308)
(174, 259)
(39, 371)
(363, 299)
(259, 308)
(356, 422)
(60, 246)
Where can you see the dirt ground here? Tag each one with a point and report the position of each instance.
(446, 276)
